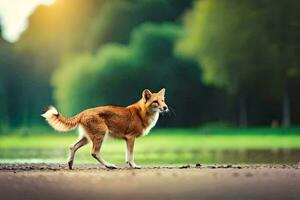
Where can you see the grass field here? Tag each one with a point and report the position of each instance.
(163, 146)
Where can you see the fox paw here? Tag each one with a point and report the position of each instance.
(133, 165)
(111, 166)
(70, 163)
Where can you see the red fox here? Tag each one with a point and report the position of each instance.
(126, 123)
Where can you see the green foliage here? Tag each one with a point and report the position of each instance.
(109, 53)
(88, 78)
(25, 66)
(119, 17)
(60, 30)
(239, 42)
(249, 48)
(4, 63)
(118, 74)
(13, 97)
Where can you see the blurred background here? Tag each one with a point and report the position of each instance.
(231, 70)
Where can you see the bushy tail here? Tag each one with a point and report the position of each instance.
(59, 122)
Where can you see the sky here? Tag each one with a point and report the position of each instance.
(14, 16)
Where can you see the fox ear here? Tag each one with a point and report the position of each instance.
(146, 95)
(162, 92)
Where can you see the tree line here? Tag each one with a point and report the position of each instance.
(235, 62)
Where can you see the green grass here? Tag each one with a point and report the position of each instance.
(162, 139)
(160, 146)
(186, 139)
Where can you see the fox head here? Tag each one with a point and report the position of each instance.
(155, 102)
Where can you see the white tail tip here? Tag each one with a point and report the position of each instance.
(51, 111)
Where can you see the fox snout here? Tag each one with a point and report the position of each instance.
(165, 108)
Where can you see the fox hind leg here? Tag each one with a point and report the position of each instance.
(96, 129)
(73, 148)
(97, 143)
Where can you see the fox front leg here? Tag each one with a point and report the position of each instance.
(129, 153)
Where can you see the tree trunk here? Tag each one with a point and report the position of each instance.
(286, 109)
(243, 119)
(4, 120)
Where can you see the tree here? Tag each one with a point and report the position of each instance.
(118, 18)
(237, 44)
(284, 35)
(53, 32)
(12, 81)
(65, 28)
(3, 71)
(117, 74)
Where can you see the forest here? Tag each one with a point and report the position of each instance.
(223, 63)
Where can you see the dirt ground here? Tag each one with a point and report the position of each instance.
(54, 181)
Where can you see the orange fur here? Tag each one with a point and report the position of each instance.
(126, 123)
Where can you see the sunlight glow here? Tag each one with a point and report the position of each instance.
(14, 16)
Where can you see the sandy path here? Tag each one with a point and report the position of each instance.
(44, 181)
